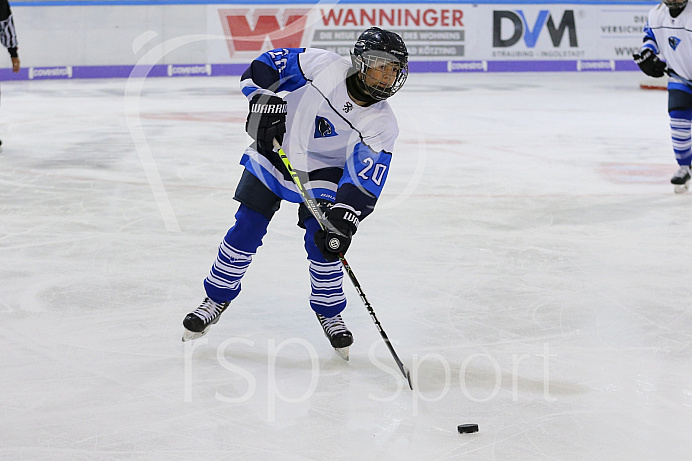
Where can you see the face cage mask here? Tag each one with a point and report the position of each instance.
(369, 60)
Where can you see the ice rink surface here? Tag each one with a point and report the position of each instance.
(528, 258)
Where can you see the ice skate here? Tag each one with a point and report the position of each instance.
(198, 322)
(681, 179)
(337, 333)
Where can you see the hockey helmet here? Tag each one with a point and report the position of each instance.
(381, 60)
(675, 4)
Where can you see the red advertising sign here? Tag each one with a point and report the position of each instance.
(252, 29)
(429, 30)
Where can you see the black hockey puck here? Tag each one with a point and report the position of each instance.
(467, 428)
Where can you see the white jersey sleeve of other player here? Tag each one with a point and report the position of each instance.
(671, 38)
(329, 138)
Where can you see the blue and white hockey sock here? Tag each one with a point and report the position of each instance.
(327, 296)
(681, 133)
(235, 255)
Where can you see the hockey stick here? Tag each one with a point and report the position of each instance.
(671, 73)
(314, 208)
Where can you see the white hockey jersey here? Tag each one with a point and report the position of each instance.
(332, 142)
(671, 39)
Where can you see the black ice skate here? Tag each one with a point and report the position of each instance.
(681, 179)
(339, 336)
(198, 322)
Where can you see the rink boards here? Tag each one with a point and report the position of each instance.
(188, 38)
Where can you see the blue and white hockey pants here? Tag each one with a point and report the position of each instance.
(680, 111)
(240, 245)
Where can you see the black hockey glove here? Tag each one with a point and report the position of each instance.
(332, 244)
(266, 120)
(649, 63)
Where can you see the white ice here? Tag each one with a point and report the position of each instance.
(528, 259)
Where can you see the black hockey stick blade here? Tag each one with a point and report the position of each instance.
(407, 374)
(402, 368)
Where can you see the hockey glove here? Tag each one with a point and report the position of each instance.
(649, 63)
(266, 120)
(330, 243)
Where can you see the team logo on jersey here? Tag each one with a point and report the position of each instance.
(348, 107)
(324, 128)
(674, 42)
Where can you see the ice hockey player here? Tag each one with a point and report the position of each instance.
(338, 131)
(667, 48)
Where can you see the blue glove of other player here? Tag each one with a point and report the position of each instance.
(266, 120)
(649, 63)
(332, 244)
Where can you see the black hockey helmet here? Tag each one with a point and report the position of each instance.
(386, 53)
(675, 5)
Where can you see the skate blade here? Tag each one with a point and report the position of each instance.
(191, 335)
(343, 352)
(682, 188)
